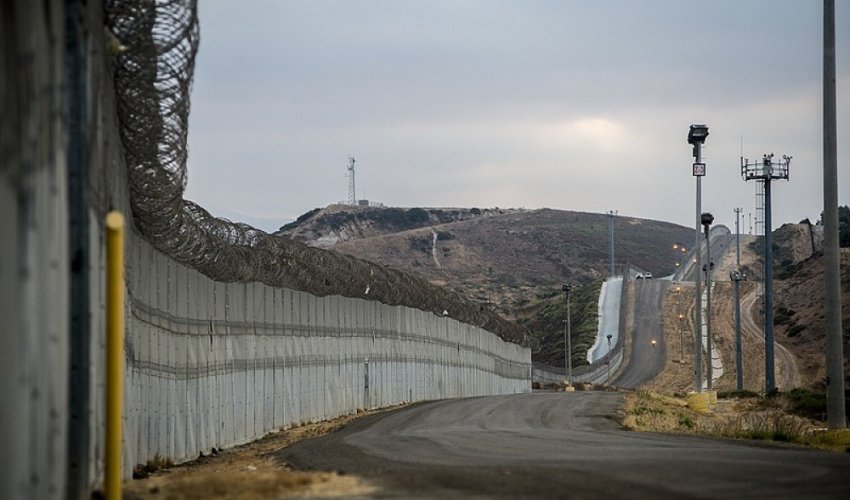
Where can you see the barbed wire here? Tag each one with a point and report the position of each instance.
(153, 78)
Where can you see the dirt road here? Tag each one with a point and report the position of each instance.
(550, 445)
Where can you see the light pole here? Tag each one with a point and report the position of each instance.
(609, 360)
(697, 135)
(568, 349)
(707, 219)
(611, 215)
(736, 276)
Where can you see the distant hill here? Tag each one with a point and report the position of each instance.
(512, 260)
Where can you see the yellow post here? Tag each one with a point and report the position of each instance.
(114, 352)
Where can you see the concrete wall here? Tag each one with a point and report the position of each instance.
(33, 252)
(209, 364)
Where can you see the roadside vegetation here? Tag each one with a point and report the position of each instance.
(544, 318)
(795, 417)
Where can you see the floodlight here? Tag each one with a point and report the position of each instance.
(697, 134)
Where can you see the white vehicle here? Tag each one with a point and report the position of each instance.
(639, 276)
(647, 275)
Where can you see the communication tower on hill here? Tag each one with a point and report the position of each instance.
(352, 194)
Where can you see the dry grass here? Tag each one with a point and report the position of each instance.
(764, 419)
(248, 472)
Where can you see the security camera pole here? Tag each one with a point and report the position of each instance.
(696, 137)
(609, 359)
(707, 219)
(765, 171)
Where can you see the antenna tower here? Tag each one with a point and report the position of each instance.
(352, 196)
(763, 172)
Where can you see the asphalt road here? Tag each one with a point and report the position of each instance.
(646, 361)
(557, 445)
(719, 246)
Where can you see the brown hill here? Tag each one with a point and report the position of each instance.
(799, 315)
(512, 260)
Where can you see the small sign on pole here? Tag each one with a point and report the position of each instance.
(699, 169)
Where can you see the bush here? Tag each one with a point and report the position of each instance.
(807, 403)
(737, 394)
(794, 330)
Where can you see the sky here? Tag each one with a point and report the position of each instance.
(573, 105)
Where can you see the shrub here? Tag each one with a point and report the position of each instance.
(795, 329)
(737, 394)
(807, 403)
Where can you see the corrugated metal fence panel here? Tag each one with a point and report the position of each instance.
(215, 365)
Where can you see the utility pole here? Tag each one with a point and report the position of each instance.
(835, 411)
(696, 137)
(611, 215)
(736, 277)
(568, 350)
(764, 172)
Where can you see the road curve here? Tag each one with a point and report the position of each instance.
(646, 361)
(551, 445)
(789, 375)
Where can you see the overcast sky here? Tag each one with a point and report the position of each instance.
(576, 105)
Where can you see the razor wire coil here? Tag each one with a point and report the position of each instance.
(153, 80)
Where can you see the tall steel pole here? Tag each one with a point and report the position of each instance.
(568, 350)
(611, 214)
(707, 219)
(736, 275)
(766, 171)
(836, 417)
(769, 360)
(696, 137)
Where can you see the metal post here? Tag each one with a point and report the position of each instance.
(709, 367)
(836, 413)
(114, 354)
(698, 282)
(739, 355)
(769, 368)
(611, 215)
(764, 172)
(568, 350)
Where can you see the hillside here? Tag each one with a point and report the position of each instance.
(513, 261)
(799, 314)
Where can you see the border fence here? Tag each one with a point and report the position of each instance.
(212, 360)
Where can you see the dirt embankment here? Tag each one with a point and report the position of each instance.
(249, 472)
(800, 315)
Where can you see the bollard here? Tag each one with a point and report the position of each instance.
(698, 401)
(114, 353)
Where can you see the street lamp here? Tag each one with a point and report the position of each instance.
(697, 134)
(568, 350)
(737, 276)
(706, 219)
(608, 383)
